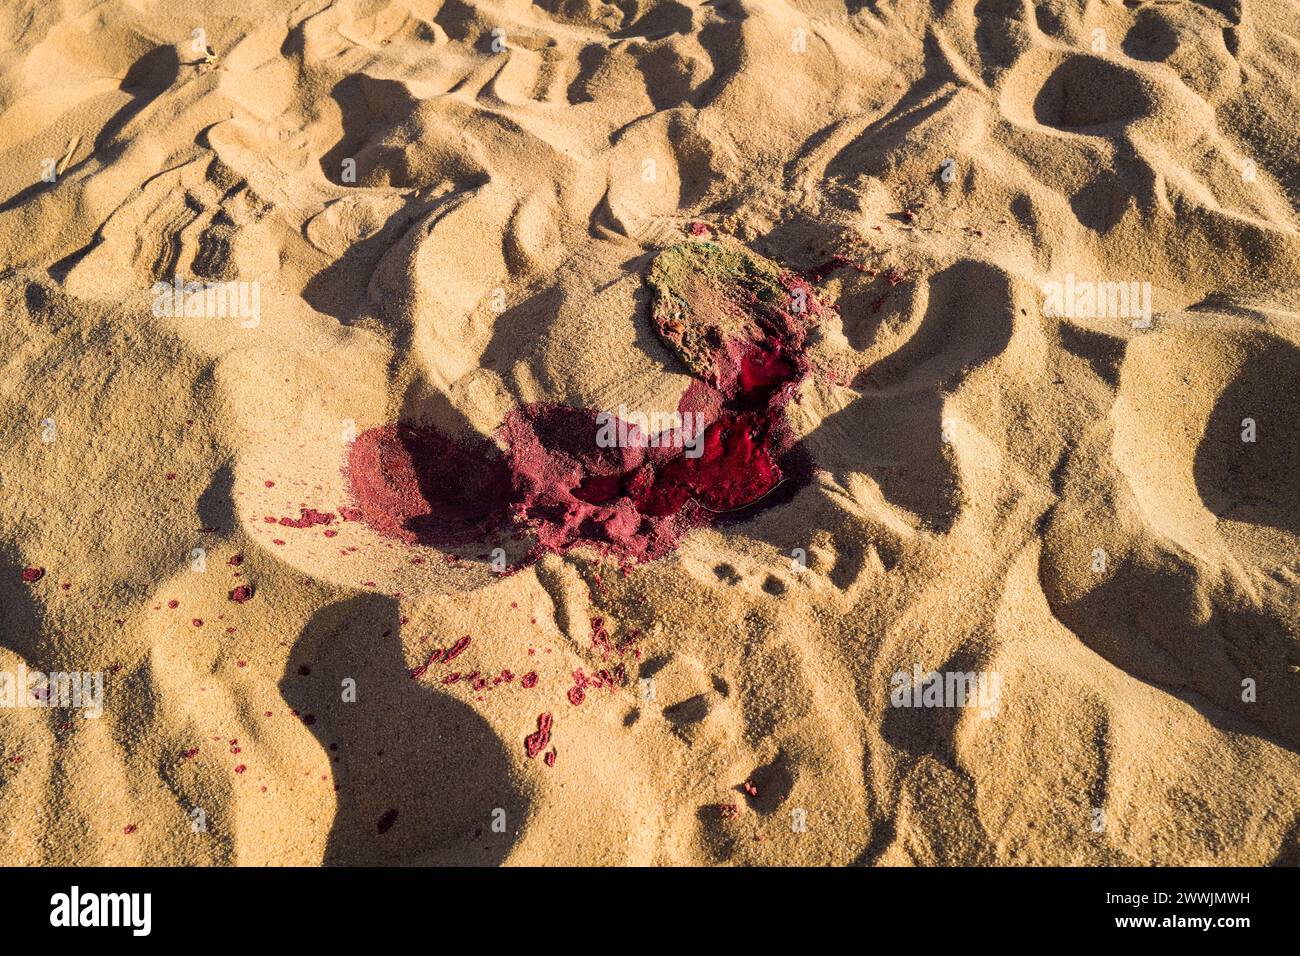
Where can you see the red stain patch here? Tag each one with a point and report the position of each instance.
(307, 518)
(553, 475)
(535, 743)
(455, 650)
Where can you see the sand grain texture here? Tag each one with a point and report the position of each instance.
(974, 453)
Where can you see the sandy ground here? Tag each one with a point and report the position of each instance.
(446, 210)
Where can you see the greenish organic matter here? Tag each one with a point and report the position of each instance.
(706, 293)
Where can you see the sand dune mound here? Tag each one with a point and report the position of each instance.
(989, 310)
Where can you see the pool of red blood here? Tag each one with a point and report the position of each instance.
(550, 479)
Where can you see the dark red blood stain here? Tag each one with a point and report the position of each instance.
(173, 604)
(455, 649)
(241, 594)
(550, 757)
(387, 820)
(629, 639)
(420, 486)
(309, 719)
(269, 483)
(698, 229)
(535, 743)
(197, 622)
(32, 575)
(452, 677)
(192, 752)
(600, 636)
(235, 560)
(433, 658)
(129, 829)
(529, 679)
(330, 533)
(818, 273)
(577, 695)
(307, 518)
(750, 789)
(240, 769)
(551, 479)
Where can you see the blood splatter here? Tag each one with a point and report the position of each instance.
(241, 594)
(739, 324)
(420, 486)
(455, 649)
(535, 743)
(31, 575)
(386, 821)
(307, 518)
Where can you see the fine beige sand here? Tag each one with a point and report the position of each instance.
(447, 209)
